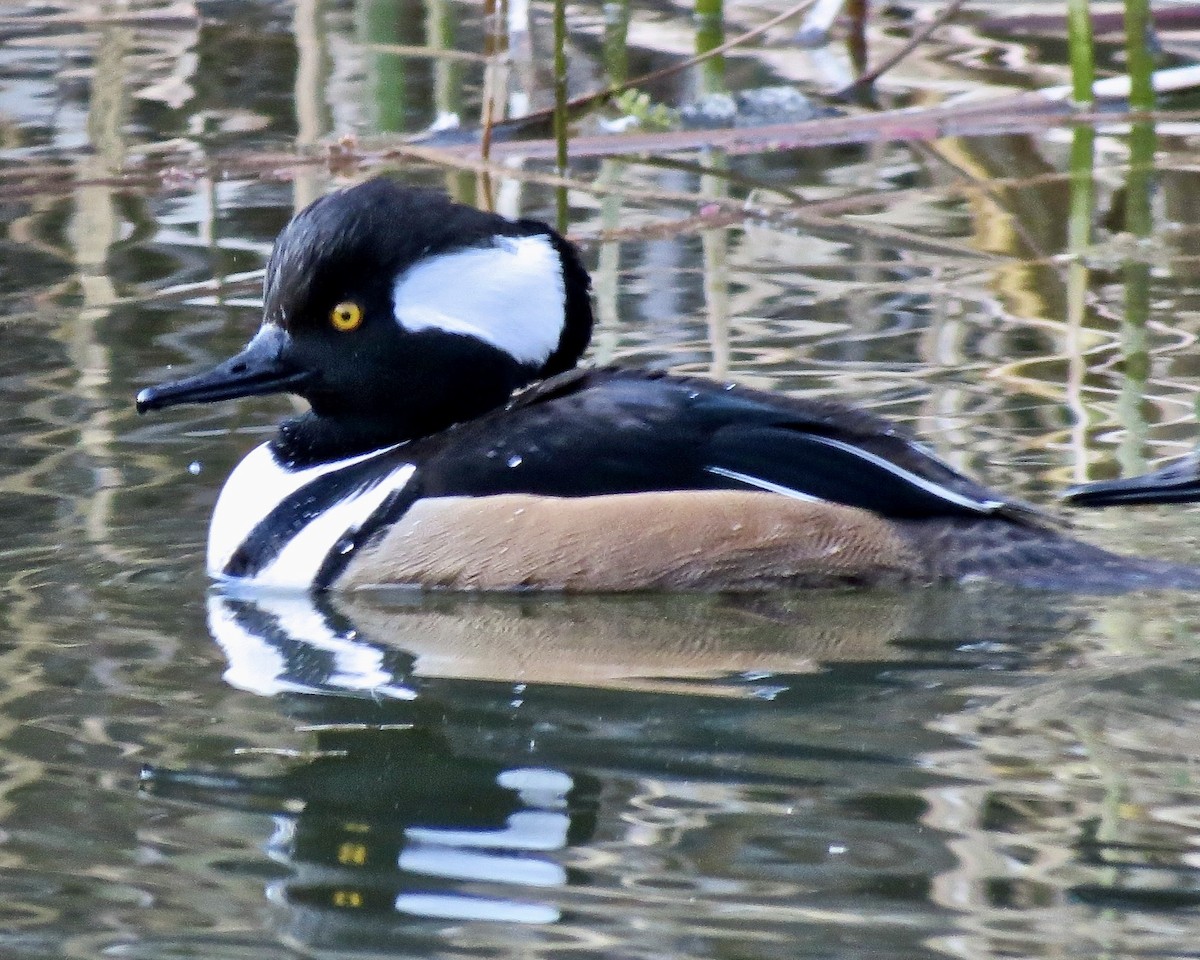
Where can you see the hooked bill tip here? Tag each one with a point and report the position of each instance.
(145, 400)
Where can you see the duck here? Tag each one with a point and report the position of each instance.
(453, 441)
(1177, 481)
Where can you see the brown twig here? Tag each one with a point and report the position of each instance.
(980, 118)
(431, 53)
(868, 79)
(489, 110)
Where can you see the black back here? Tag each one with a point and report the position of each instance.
(604, 431)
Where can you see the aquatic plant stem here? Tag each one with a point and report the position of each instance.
(1142, 140)
(1079, 239)
(1139, 221)
(1138, 56)
(710, 32)
(1082, 51)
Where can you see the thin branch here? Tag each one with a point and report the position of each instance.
(868, 79)
(432, 53)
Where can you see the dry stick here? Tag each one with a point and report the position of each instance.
(731, 216)
(868, 78)
(431, 53)
(177, 16)
(890, 125)
(818, 211)
(561, 206)
(909, 124)
(485, 137)
(485, 148)
(279, 165)
(745, 210)
(1024, 113)
(597, 96)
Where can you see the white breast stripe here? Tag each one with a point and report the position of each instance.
(439, 861)
(760, 484)
(254, 664)
(511, 295)
(943, 493)
(297, 564)
(524, 830)
(257, 485)
(457, 906)
(257, 665)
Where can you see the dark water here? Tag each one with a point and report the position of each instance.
(970, 773)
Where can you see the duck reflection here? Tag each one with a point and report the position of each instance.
(385, 644)
(384, 820)
(460, 747)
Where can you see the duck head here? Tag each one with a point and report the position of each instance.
(396, 313)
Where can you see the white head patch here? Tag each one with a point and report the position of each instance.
(511, 295)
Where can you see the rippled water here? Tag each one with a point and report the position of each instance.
(965, 773)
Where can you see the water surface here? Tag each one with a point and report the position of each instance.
(966, 773)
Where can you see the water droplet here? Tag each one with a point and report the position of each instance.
(493, 454)
(693, 394)
(345, 547)
(195, 467)
(731, 385)
(514, 460)
(515, 702)
(519, 687)
(837, 848)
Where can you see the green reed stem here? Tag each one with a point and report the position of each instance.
(386, 75)
(1079, 238)
(1083, 189)
(616, 41)
(1139, 221)
(1081, 47)
(1138, 54)
(1139, 218)
(710, 34)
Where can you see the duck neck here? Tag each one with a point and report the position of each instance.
(388, 409)
(311, 439)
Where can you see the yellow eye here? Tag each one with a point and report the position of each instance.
(347, 315)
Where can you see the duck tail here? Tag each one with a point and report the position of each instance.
(1037, 557)
(1177, 482)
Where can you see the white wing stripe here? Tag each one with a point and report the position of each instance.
(942, 493)
(761, 484)
(921, 483)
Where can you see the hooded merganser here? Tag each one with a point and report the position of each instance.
(1176, 482)
(452, 443)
